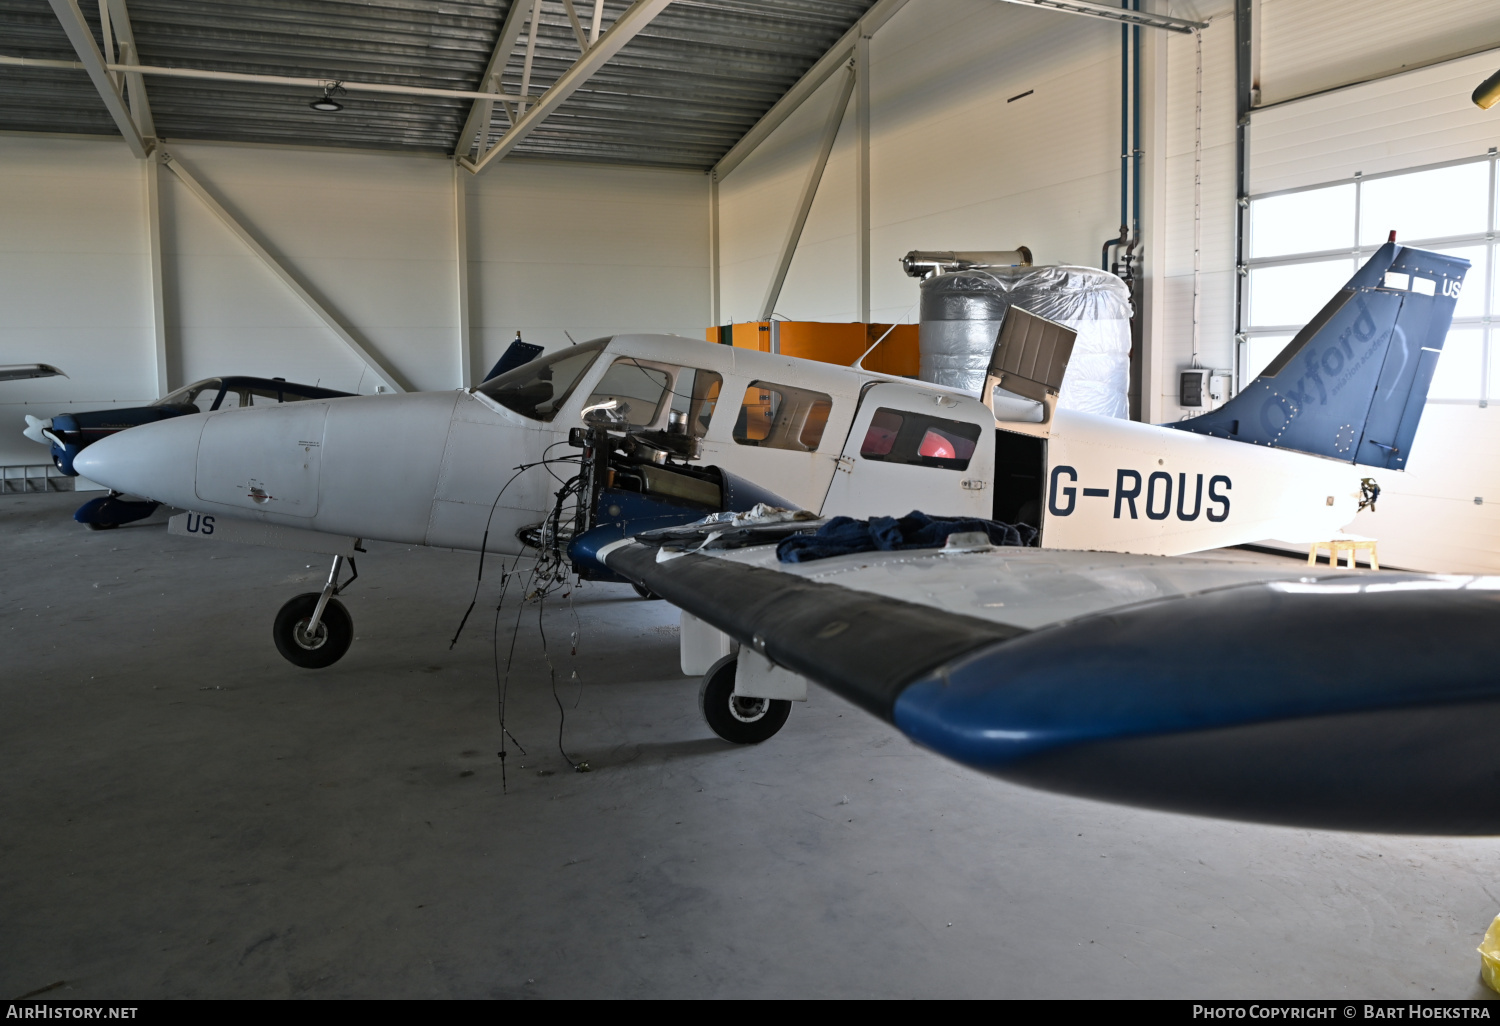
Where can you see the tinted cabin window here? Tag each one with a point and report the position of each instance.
(782, 417)
(901, 436)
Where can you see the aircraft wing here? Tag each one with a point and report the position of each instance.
(23, 371)
(1278, 693)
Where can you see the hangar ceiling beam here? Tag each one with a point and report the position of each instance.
(289, 277)
(1092, 10)
(636, 17)
(254, 79)
(836, 57)
(479, 114)
(82, 38)
(578, 33)
(140, 107)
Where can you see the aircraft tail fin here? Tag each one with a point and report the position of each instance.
(517, 354)
(1352, 384)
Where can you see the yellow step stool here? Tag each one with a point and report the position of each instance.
(1338, 546)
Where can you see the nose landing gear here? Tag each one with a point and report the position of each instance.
(314, 629)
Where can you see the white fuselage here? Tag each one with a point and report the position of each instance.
(439, 468)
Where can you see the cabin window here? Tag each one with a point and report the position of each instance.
(200, 395)
(537, 389)
(648, 394)
(694, 398)
(629, 394)
(782, 417)
(901, 436)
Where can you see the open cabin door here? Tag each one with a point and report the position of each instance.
(912, 448)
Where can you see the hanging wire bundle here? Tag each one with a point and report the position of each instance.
(548, 573)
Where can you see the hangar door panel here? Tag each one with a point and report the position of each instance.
(268, 459)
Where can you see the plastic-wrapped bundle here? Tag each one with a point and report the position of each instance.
(962, 313)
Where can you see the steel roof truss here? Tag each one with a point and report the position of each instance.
(834, 58)
(636, 17)
(119, 25)
(82, 38)
(476, 130)
(583, 41)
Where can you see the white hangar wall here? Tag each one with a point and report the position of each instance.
(553, 249)
(953, 164)
(75, 279)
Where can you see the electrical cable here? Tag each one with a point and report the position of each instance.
(485, 540)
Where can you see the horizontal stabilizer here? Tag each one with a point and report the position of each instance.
(1352, 384)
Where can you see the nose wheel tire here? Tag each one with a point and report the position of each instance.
(318, 648)
(735, 718)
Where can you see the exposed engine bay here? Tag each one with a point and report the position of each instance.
(630, 481)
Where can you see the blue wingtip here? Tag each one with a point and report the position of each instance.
(1252, 702)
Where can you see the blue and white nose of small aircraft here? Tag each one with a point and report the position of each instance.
(156, 461)
(366, 466)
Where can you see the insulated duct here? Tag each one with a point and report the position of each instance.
(922, 263)
(961, 315)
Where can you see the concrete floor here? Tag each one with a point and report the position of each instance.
(183, 814)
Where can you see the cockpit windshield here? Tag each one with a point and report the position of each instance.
(200, 395)
(538, 388)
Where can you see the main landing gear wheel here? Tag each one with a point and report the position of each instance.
(744, 721)
(320, 647)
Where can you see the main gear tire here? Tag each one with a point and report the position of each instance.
(735, 718)
(316, 649)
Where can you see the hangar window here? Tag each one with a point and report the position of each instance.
(782, 417)
(1306, 243)
(538, 388)
(901, 436)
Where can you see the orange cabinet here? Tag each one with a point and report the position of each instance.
(827, 342)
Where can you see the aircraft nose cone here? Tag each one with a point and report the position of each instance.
(153, 461)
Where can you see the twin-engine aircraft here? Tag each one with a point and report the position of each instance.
(672, 428)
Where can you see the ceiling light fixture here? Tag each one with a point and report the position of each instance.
(326, 103)
(1488, 92)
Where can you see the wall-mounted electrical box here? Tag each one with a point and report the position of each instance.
(1200, 388)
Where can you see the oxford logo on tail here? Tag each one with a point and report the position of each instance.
(1157, 503)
